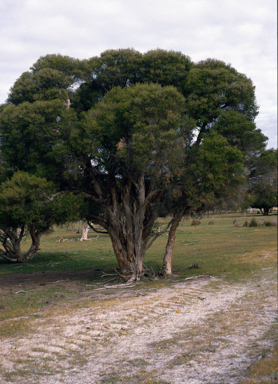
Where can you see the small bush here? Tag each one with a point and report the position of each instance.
(253, 223)
(267, 224)
(195, 222)
(246, 224)
(211, 222)
(274, 223)
(194, 266)
(236, 223)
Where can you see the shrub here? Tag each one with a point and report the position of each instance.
(274, 223)
(246, 224)
(253, 223)
(195, 222)
(211, 222)
(236, 224)
(267, 224)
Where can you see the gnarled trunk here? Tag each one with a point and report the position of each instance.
(128, 212)
(129, 228)
(130, 263)
(36, 238)
(11, 241)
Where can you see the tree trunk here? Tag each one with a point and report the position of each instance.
(36, 238)
(265, 211)
(84, 232)
(129, 228)
(11, 241)
(128, 215)
(129, 252)
(168, 256)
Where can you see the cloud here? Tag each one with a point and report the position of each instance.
(240, 32)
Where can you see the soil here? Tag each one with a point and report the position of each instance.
(201, 330)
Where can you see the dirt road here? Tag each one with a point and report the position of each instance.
(197, 331)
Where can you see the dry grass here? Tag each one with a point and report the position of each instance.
(264, 371)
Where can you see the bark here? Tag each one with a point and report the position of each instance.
(128, 226)
(168, 256)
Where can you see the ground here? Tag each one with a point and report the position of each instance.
(198, 330)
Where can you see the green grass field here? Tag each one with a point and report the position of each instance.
(218, 249)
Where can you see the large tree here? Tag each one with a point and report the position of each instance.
(130, 149)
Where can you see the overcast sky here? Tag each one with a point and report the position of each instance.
(240, 32)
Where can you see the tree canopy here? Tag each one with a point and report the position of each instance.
(28, 206)
(138, 136)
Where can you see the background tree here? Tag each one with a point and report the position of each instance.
(262, 185)
(26, 209)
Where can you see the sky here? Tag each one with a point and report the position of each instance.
(240, 32)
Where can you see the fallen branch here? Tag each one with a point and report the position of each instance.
(20, 292)
(194, 277)
(61, 239)
(126, 285)
(58, 281)
(107, 274)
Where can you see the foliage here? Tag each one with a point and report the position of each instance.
(195, 222)
(26, 207)
(263, 181)
(253, 223)
(119, 130)
(213, 87)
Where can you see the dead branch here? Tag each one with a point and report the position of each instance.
(118, 273)
(61, 239)
(108, 274)
(58, 281)
(125, 285)
(194, 277)
(95, 229)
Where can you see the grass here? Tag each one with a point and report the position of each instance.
(264, 371)
(76, 270)
(213, 247)
(222, 250)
